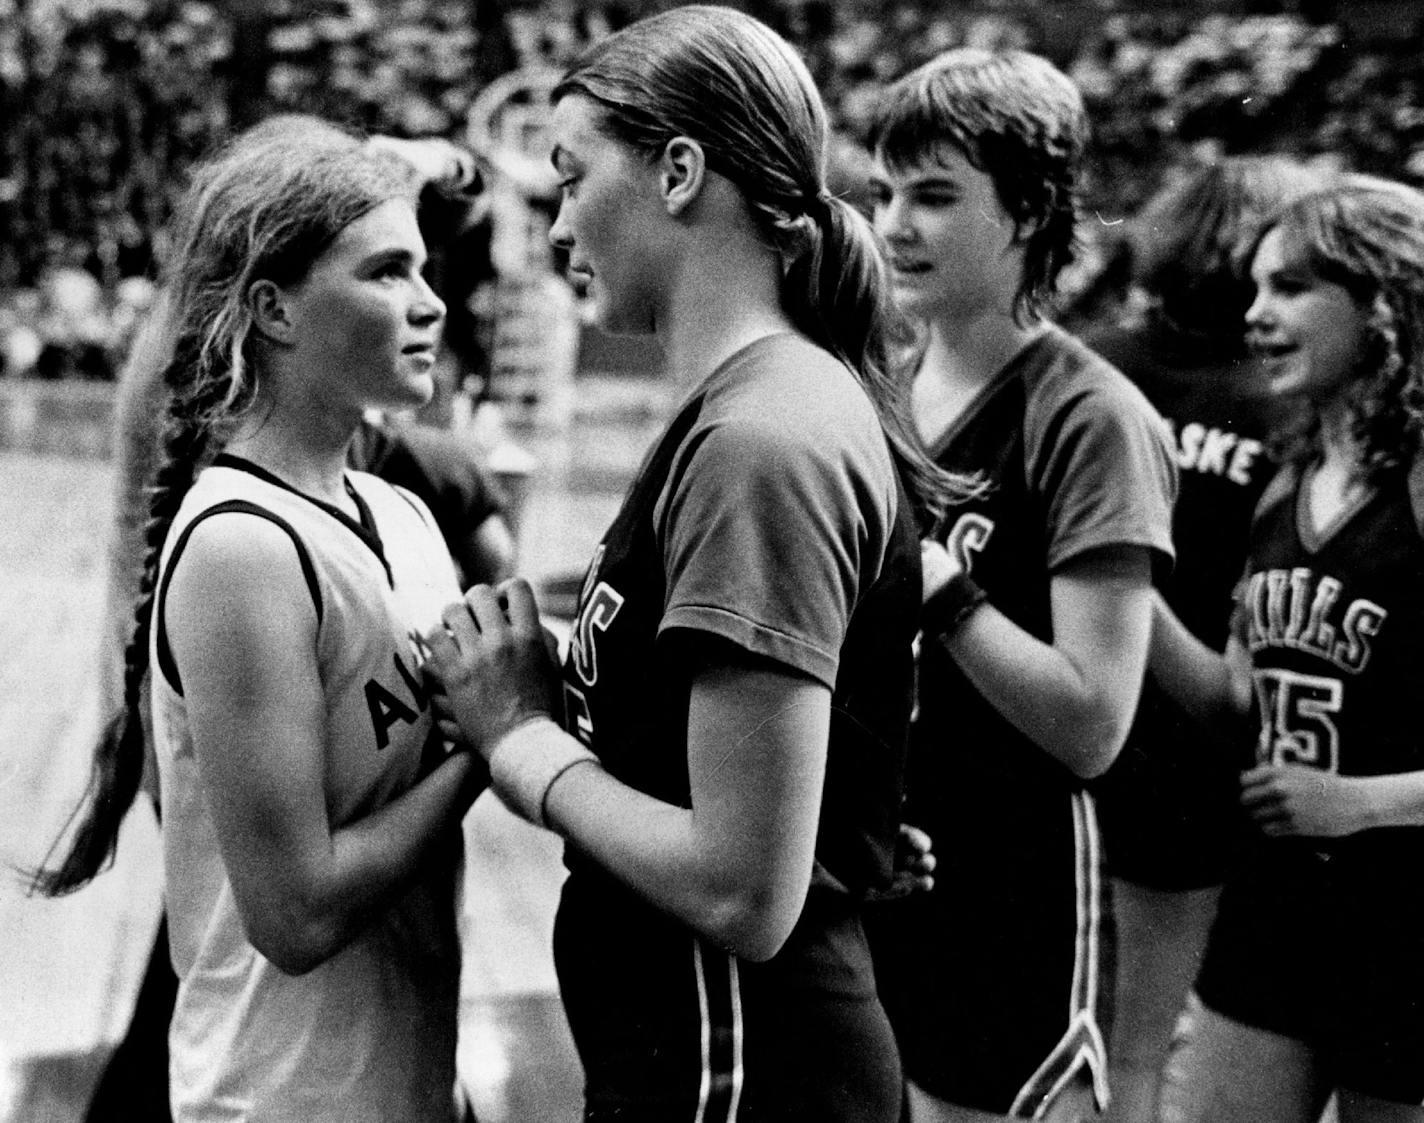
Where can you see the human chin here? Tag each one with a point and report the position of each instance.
(625, 317)
(912, 297)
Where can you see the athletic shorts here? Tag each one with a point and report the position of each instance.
(1170, 813)
(998, 981)
(671, 1029)
(1329, 951)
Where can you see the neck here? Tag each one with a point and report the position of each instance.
(307, 451)
(1338, 444)
(969, 354)
(726, 295)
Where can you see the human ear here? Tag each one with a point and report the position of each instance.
(271, 316)
(681, 171)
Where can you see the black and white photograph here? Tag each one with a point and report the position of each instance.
(763, 561)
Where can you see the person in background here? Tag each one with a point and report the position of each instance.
(310, 808)
(1313, 979)
(739, 680)
(1168, 806)
(1037, 596)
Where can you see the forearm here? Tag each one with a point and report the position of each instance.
(734, 864)
(658, 850)
(1041, 691)
(1198, 678)
(1395, 800)
(371, 863)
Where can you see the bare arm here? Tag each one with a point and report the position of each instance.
(1074, 697)
(243, 632)
(1295, 799)
(735, 865)
(1213, 687)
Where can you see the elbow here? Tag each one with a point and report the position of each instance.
(752, 926)
(1093, 764)
(1100, 738)
(293, 946)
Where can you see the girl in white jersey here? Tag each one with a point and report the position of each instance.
(310, 810)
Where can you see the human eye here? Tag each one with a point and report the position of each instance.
(1290, 284)
(936, 197)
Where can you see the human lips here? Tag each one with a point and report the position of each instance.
(910, 267)
(424, 350)
(581, 277)
(1271, 349)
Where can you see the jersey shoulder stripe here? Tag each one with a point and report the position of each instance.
(242, 506)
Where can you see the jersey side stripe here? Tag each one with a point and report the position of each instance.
(1082, 1043)
(720, 1002)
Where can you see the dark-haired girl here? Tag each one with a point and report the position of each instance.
(739, 681)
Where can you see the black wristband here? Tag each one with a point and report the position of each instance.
(945, 612)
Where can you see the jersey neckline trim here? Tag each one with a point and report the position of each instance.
(364, 529)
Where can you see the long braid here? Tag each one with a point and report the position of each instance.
(117, 769)
(265, 207)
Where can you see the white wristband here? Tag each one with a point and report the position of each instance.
(527, 760)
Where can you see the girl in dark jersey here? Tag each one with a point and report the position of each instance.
(310, 812)
(1168, 804)
(1038, 594)
(739, 679)
(1313, 980)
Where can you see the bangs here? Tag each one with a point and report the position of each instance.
(917, 122)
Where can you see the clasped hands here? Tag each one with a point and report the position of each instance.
(491, 666)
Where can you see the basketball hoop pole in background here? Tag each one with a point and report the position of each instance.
(530, 311)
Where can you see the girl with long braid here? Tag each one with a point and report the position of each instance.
(310, 807)
(738, 686)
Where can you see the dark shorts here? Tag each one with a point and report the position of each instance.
(670, 1028)
(1169, 809)
(1305, 948)
(998, 982)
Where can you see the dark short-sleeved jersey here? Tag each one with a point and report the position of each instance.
(768, 516)
(1319, 938)
(993, 978)
(1077, 460)
(1168, 805)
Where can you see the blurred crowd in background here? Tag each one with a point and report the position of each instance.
(104, 104)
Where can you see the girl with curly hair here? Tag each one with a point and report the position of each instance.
(1313, 979)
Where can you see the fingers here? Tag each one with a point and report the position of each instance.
(520, 605)
(485, 607)
(917, 847)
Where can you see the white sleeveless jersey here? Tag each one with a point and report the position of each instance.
(370, 1033)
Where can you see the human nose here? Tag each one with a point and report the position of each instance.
(427, 307)
(1258, 313)
(560, 237)
(891, 220)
